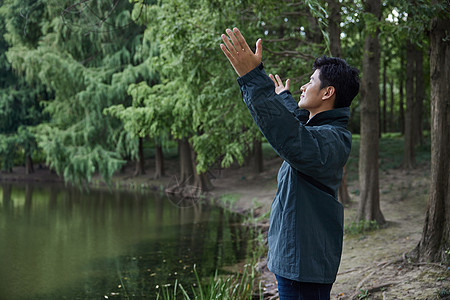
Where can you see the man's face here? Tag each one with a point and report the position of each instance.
(311, 98)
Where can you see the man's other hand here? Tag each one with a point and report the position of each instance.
(279, 87)
(239, 53)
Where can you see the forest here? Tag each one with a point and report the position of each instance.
(86, 86)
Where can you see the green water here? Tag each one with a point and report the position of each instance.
(61, 243)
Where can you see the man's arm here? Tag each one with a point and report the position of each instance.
(306, 149)
(239, 53)
(296, 144)
(244, 60)
(286, 97)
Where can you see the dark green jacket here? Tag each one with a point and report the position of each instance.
(306, 219)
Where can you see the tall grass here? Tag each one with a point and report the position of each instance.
(243, 285)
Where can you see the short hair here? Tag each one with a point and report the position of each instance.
(336, 72)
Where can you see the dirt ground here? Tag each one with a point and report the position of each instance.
(374, 265)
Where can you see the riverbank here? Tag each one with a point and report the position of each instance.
(374, 265)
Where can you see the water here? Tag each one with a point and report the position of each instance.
(61, 243)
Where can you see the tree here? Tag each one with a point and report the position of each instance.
(369, 207)
(410, 32)
(19, 110)
(435, 242)
(401, 96)
(148, 116)
(420, 97)
(334, 34)
(334, 29)
(408, 153)
(86, 56)
(205, 114)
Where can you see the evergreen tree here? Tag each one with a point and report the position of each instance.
(85, 55)
(19, 111)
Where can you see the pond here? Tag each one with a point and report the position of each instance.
(62, 243)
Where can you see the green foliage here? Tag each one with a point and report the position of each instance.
(443, 293)
(228, 200)
(363, 226)
(86, 60)
(409, 20)
(19, 107)
(363, 295)
(7, 147)
(89, 79)
(197, 97)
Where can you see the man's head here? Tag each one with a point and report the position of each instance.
(333, 84)
(335, 72)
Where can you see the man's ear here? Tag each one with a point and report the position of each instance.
(330, 93)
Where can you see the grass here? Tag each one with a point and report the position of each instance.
(443, 293)
(361, 227)
(238, 286)
(390, 153)
(244, 284)
(229, 200)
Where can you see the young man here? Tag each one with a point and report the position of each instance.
(306, 220)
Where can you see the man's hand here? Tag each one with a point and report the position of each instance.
(279, 87)
(239, 53)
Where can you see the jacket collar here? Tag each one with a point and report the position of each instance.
(337, 116)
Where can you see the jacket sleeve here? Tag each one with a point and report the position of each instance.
(305, 148)
(292, 105)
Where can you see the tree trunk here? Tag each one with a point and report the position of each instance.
(436, 232)
(191, 183)
(369, 208)
(186, 170)
(391, 111)
(401, 97)
(334, 34)
(258, 164)
(140, 160)
(343, 194)
(313, 33)
(420, 95)
(29, 168)
(334, 27)
(201, 181)
(159, 161)
(384, 121)
(408, 148)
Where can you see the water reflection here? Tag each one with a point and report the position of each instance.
(59, 242)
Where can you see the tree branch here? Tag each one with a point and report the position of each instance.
(290, 53)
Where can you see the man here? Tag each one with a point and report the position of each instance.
(306, 220)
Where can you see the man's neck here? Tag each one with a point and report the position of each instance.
(315, 112)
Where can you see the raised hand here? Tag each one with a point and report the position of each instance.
(239, 53)
(279, 87)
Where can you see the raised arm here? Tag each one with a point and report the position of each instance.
(286, 96)
(305, 148)
(239, 53)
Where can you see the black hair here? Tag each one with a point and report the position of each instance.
(336, 72)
